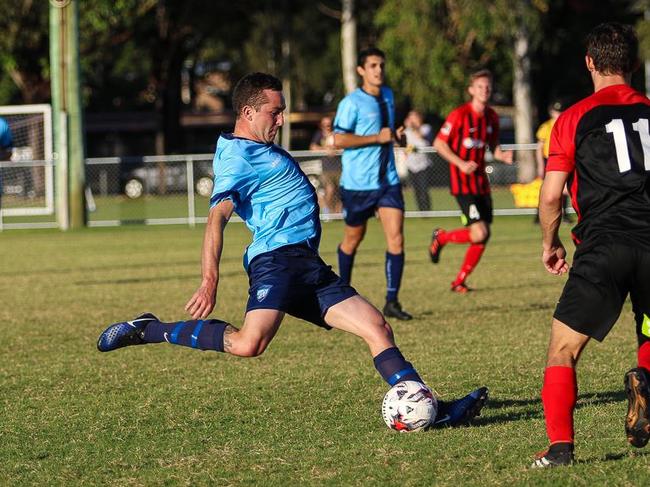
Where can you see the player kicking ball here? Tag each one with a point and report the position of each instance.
(601, 147)
(265, 186)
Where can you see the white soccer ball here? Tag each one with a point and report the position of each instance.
(409, 406)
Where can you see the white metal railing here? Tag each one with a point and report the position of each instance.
(171, 193)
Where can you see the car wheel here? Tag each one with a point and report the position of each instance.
(204, 186)
(133, 188)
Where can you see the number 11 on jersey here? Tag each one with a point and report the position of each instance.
(617, 127)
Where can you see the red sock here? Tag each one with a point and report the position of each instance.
(472, 256)
(460, 235)
(559, 395)
(643, 356)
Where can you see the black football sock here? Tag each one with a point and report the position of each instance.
(394, 269)
(345, 265)
(393, 367)
(201, 334)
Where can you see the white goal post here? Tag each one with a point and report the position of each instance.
(27, 179)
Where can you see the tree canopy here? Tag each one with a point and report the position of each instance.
(134, 53)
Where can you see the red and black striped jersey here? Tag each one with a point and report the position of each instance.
(468, 134)
(603, 142)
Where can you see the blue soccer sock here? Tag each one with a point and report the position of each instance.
(393, 367)
(345, 265)
(394, 270)
(201, 334)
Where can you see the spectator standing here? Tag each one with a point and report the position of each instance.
(323, 140)
(541, 154)
(418, 135)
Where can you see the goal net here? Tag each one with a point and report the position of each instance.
(27, 178)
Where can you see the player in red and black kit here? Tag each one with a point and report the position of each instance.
(468, 131)
(601, 147)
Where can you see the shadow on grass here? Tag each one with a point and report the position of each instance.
(530, 408)
(614, 457)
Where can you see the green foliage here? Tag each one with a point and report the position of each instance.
(24, 73)
(435, 44)
(307, 411)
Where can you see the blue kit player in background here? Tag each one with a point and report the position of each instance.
(264, 185)
(364, 127)
(6, 144)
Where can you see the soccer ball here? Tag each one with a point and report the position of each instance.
(409, 406)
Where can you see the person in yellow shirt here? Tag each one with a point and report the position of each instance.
(541, 155)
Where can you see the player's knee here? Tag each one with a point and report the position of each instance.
(388, 331)
(248, 347)
(379, 331)
(396, 244)
(480, 234)
(351, 242)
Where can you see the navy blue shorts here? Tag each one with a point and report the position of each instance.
(359, 206)
(294, 279)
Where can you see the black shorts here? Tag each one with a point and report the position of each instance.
(294, 279)
(600, 279)
(475, 207)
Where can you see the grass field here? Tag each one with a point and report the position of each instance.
(307, 410)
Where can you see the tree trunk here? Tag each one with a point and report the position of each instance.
(349, 46)
(523, 119)
(286, 76)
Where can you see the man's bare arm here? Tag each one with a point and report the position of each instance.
(504, 156)
(203, 300)
(450, 156)
(349, 141)
(550, 217)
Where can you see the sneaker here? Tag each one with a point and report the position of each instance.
(125, 333)
(557, 455)
(460, 288)
(436, 247)
(393, 309)
(637, 421)
(461, 411)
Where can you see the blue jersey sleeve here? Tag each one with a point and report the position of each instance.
(234, 179)
(346, 117)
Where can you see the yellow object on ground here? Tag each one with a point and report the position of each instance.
(526, 195)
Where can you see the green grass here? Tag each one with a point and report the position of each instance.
(307, 410)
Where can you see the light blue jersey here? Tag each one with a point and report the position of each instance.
(270, 193)
(6, 138)
(373, 166)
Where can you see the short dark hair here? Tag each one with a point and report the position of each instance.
(481, 73)
(370, 51)
(614, 48)
(249, 91)
(557, 104)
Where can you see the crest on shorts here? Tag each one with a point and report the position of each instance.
(262, 293)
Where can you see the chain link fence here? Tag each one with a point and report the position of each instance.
(176, 189)
(158, 190)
